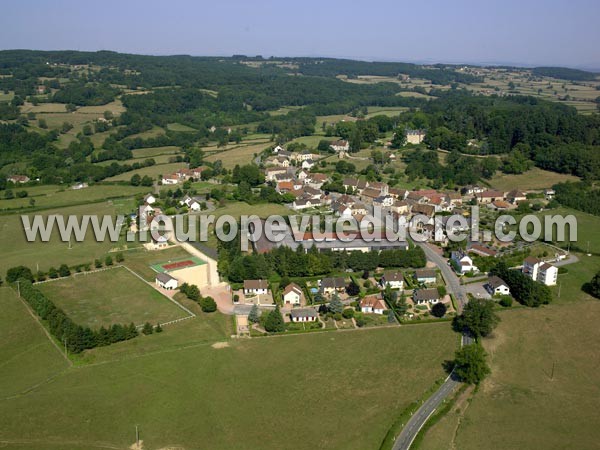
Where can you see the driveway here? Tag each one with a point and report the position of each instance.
(477, 290)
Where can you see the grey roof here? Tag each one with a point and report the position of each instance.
(164, 277)
(425, 273)
(495, 282)
(337, 282)
(426, 294)
(303, 312)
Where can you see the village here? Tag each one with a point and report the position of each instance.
(382, 297)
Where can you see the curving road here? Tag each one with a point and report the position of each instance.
(418, 419)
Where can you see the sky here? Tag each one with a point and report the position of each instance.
(521, 32)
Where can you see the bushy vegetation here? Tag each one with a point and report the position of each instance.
(523, 289)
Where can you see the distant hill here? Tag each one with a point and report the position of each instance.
(564, 73)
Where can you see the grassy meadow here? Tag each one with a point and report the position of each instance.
(188, 391)
(543, 389)
(108, 297)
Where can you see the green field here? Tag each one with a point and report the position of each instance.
(154, 151)
(532, 179)
(16, 250)
(523, 404)
(182, 391)
(52, 196)
(238, 154)
(27, 357)
(108, 297)
(152, 171)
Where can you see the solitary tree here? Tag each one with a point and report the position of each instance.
(336, 306)
(253, 316)
(274, 322)
(470, 364)
(148, 329)
(478, 318)
(439, 309)
(208, 304)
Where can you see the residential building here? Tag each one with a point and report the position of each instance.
(489, 196)
(18, 179)
(303, 315)
(394, 279)
(426, 276)
(293, 295)
(424, 296)
(497, 286)
(330, 285)
(415, 136)
(340, 146)
(149, 199)
(256, 287)
(372, 304)
(462, 262)
(538, 270)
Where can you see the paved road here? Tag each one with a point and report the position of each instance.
(418, 419)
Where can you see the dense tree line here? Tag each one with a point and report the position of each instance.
(300, 263)
(75, 337)
(582, 196)
(564, 73)
(82, 94)
(438, 74)
(522, 288)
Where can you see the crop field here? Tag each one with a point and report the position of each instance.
(544, 385)
(108, 297)
(216, 394)
(52, 196)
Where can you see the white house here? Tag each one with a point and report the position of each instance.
(166, 281)
(426, 276)
(149, 199)
(463, 263)
(303, 315)
(497, 286)
(423, 296)
(538, 270)
(170, 179)
(394, 279)
(292, 295)
(308, 164)
(340, 146)
(372, 304)
(256, 287)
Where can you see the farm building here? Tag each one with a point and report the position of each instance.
(166, 281)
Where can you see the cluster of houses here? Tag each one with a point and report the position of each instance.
(182, 175)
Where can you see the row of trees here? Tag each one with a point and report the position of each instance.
(300, 263)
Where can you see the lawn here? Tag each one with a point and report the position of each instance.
(544, 388)
(27, 357)
(108, 297)
(245, 395)
(152, 152)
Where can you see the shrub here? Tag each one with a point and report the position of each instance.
(360, 321)
(208, 304)
(52, 272)
(148, 329)
(337, 316)
(119, 257)
(16, 273)
(348, 313)
(439, 310)
(97, 263)
(64, 271)
(108, 261)
(506, 301)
